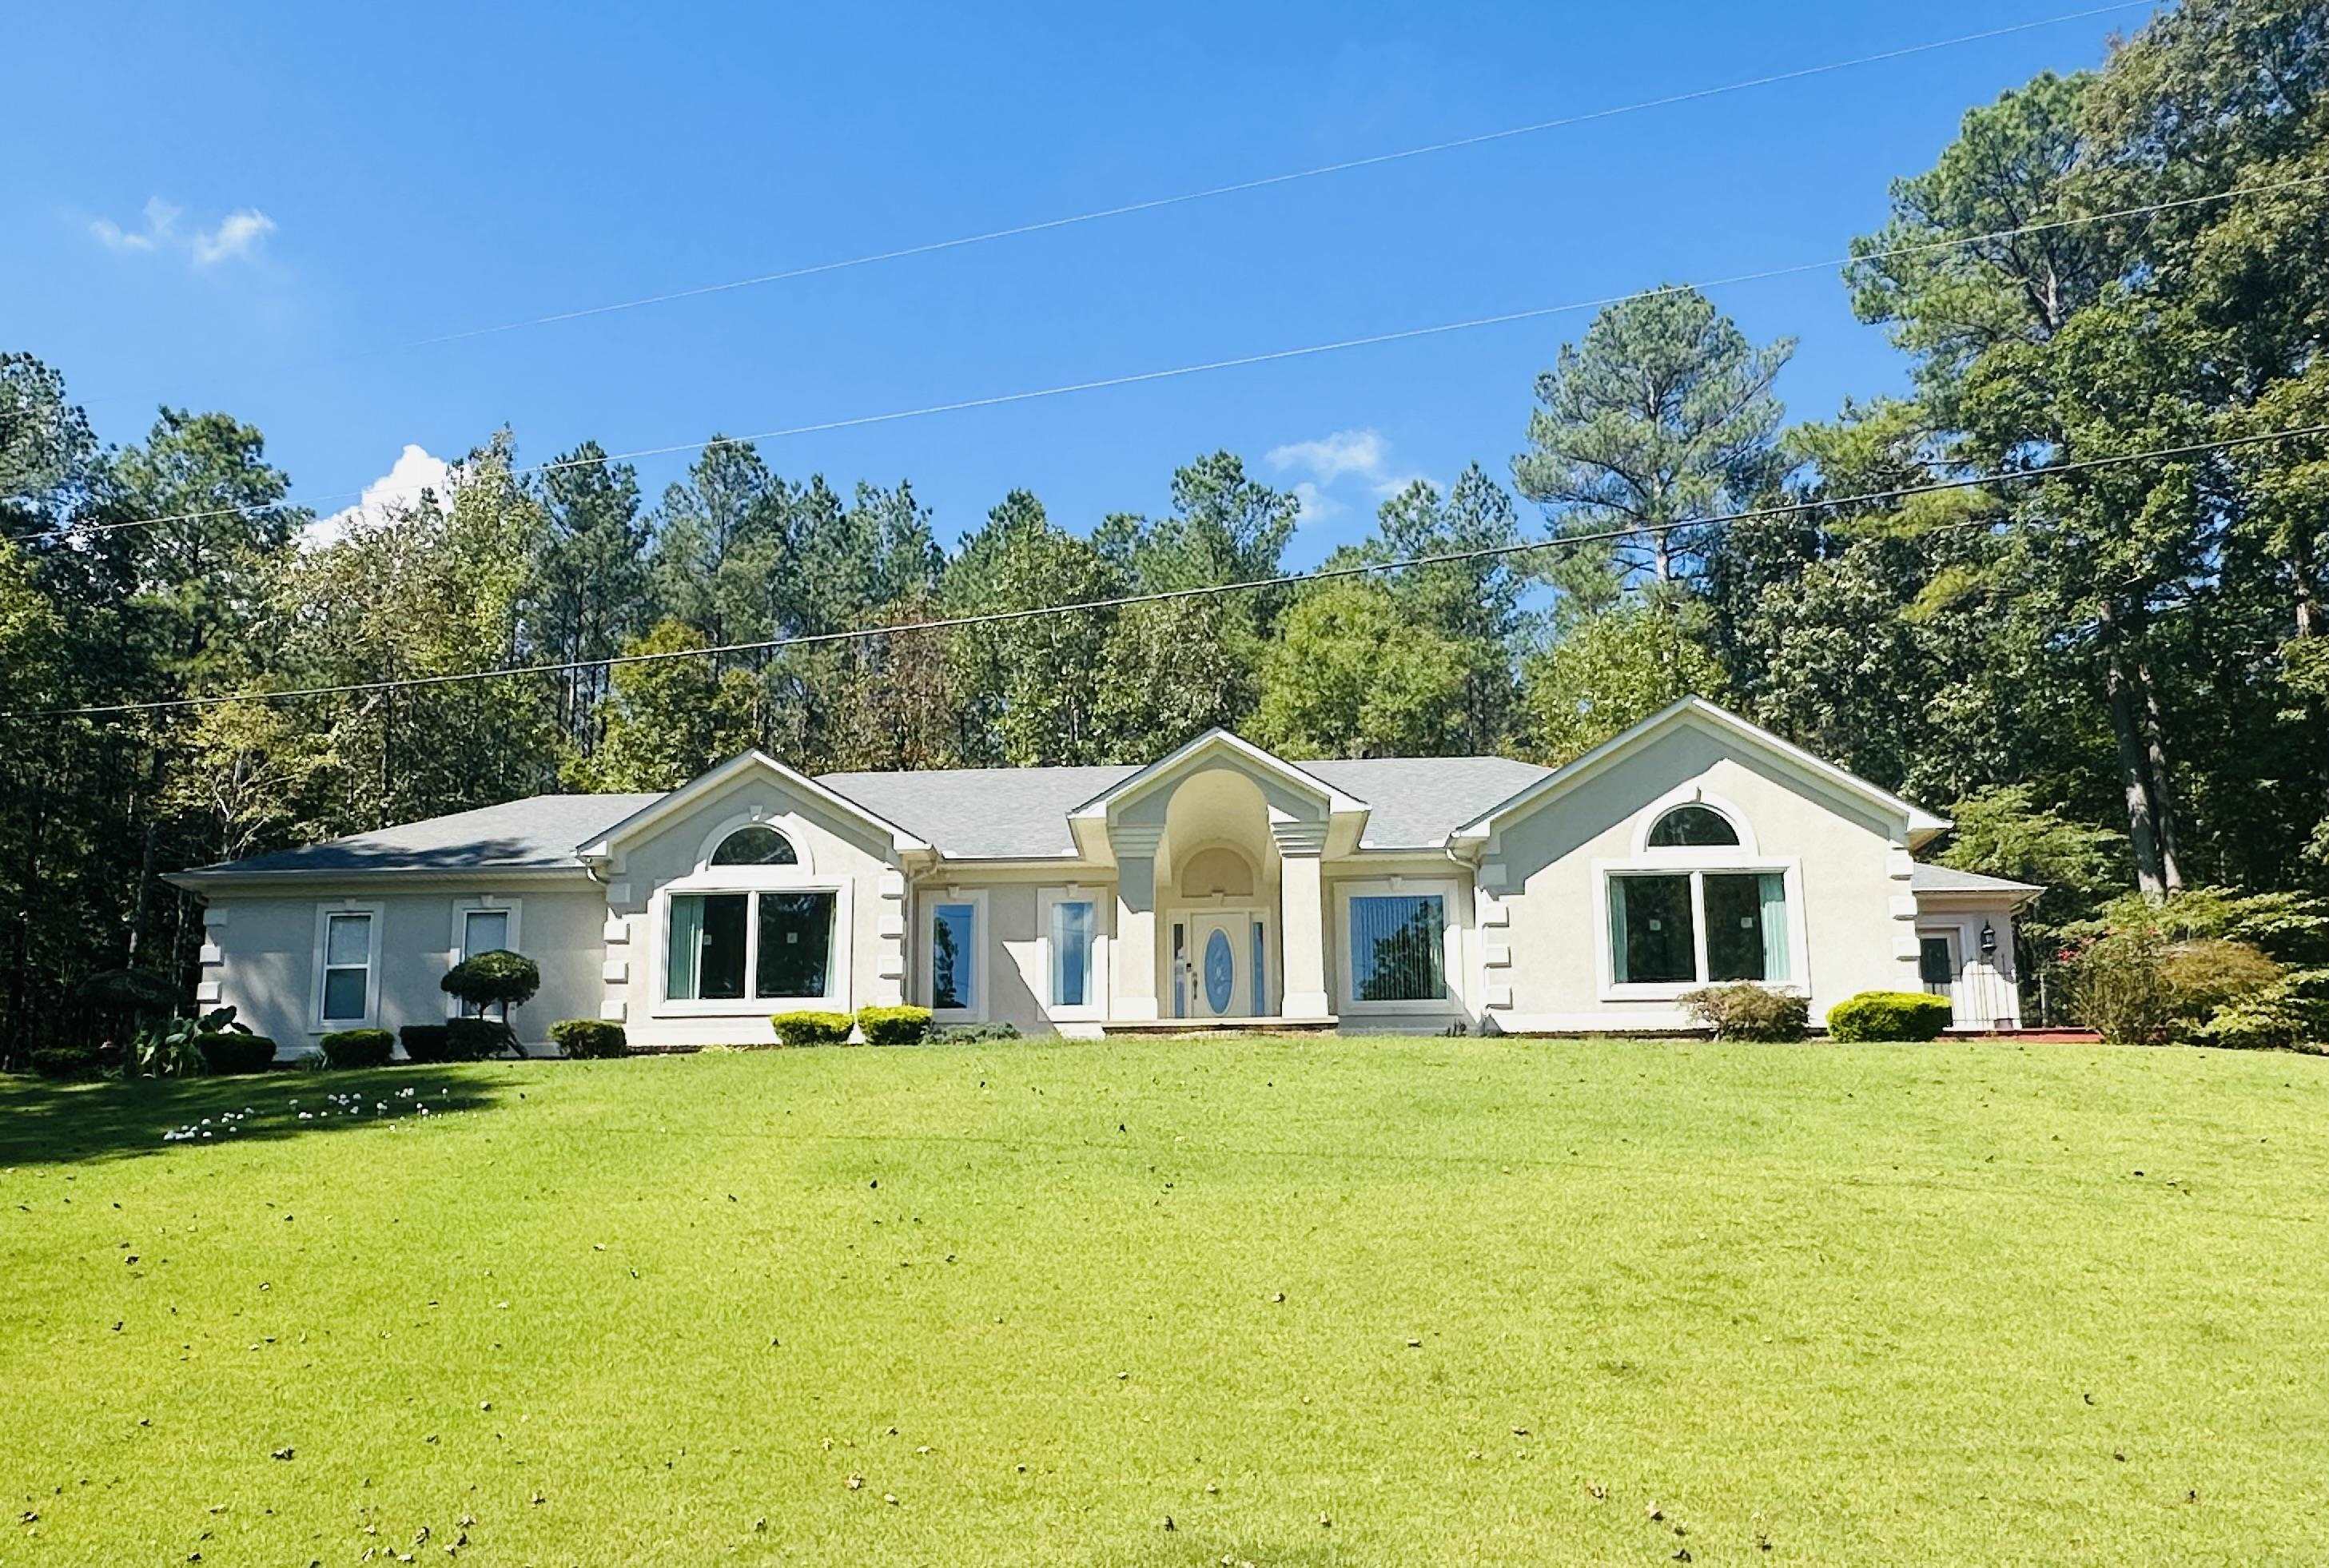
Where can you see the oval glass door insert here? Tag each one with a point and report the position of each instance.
(1220, 971)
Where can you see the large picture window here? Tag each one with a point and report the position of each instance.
(1398, 946)
(1686, 928)
(781, 942)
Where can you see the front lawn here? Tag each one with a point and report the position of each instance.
(1309, 1301)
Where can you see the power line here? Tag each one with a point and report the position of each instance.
(1173, 373)
(1154, 203)
(1264, 181)
(1120, 601)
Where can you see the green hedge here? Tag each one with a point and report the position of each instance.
(811, 1027)
(64, 1062)
(236, 1053)
(357, 1048)
(590, 1037)
(1888, 1015)
(426, 1042)
(972, 1033)
(894, 1025)
(475, 1039)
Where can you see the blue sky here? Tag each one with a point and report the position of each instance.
(259, 209)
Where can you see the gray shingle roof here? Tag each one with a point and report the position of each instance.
(1949, 879)
(969, 813)
(537, 833)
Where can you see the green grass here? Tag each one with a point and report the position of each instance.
(1870, 1304)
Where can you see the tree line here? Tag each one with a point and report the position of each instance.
(2113, 676)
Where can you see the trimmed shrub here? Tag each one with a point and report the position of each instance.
(475, 1039)
(427, 1041)
(894, 1025)
(1888, 1015)
(500, 979)
(811, 1027)
(1748, 1011)
(236, 1053)
(64, 1062)
(972, 1033)
(357, 1047)
(590, 1037)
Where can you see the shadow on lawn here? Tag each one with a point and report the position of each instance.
(49, 1123)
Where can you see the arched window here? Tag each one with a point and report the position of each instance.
(755, 845)
(1692, 828)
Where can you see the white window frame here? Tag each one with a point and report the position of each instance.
(376, 914)
(457, 943)
(1647, 823)
(783, 827)
(982, 939)
(749, 879)
(1096, 994)
(1451, 938)
(1695, 864)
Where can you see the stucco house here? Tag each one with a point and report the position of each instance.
(1218, 885)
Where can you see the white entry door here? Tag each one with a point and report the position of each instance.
(1221, 957)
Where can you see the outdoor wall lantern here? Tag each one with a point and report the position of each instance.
(1988, 940)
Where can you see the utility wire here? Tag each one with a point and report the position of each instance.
(1533, 313)
(1237, 187)
(1264, 181)
(1161, 596)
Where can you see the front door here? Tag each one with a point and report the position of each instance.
(1221, 957)
(1941, 966)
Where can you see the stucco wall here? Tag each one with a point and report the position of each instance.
(260, 956)
(1857, 915)
(1016, 973)
(835, 847)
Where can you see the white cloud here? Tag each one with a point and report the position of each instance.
(1316, 505)
(413, 471)
(236, 236)
(1329, 457)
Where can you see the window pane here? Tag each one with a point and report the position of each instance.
(1071, 953)
(1396, 951)
(348, 939)
(1933, 965)
(754, 847)
(343, 993)
(796, 943)
(485, 930)
(680, 945)
(720, 973)
(1654, 944)
(1736, 946)
(1692, 828)
(954, 945)
(1260, 981)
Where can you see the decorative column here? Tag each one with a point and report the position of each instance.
(1302, 917)
(1135, 948)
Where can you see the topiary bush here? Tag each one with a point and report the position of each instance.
(894, 1025)
(583, 1037)
(811, 1027)
(236, 1053)
(357, 1047)
(427, 1041)
(499, 979)
(1748, 1011)
(64, 1063)
(1888, 1015)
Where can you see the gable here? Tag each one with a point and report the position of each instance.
(750, 784)
(1746, 743)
